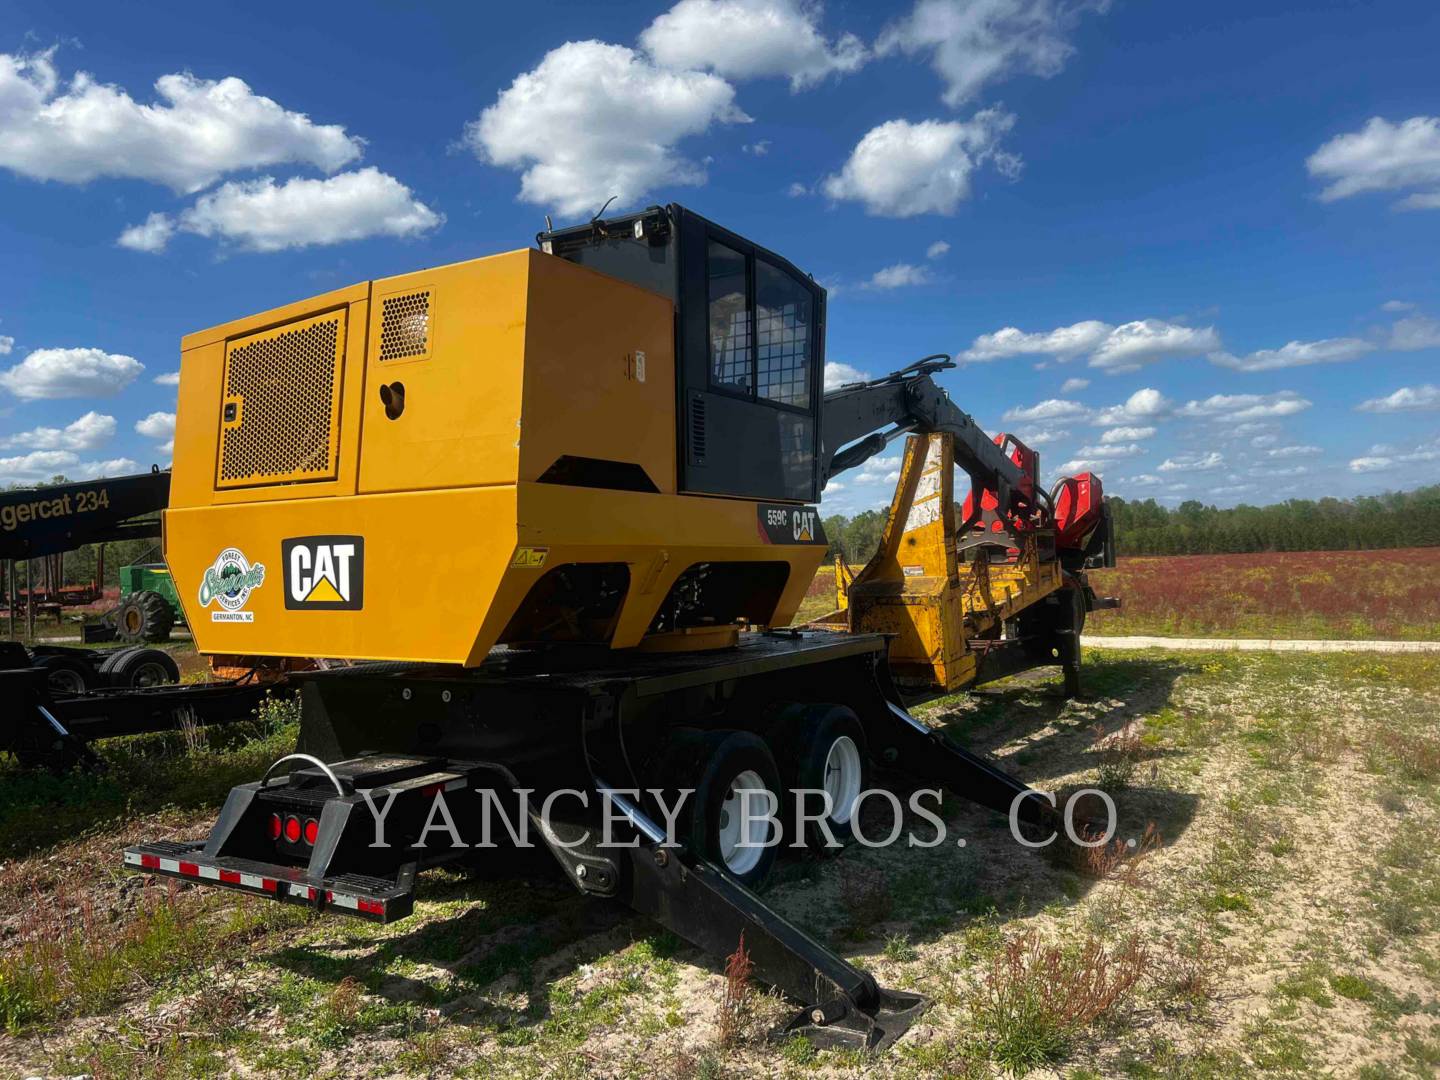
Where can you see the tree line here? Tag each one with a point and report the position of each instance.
(1145, 527)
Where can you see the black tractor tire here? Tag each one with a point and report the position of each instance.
(138, 668)
(144, 616)
(68, 674)
(725, 757)
(829, 753)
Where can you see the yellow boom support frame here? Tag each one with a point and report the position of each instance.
(940, 609)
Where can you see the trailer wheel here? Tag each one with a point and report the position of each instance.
(68, 674)
(144, 616)
(831, 756)
(107, 666)
(737, 762)
(138, 668)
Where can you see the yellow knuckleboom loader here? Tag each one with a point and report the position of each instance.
(557, 508)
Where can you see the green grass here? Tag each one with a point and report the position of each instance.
(142, 773)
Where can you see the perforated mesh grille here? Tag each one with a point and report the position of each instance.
(280, 416)
(405, 325)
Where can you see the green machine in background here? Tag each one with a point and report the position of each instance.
(149, 607)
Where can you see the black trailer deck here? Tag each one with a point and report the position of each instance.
(49, 728)
(612, 732)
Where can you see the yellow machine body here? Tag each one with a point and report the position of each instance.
(372, 473)
(940, 609)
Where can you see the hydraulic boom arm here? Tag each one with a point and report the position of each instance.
(910, 400)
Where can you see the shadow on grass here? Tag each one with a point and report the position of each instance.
(523, 933)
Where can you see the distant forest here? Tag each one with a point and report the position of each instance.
(1399, 519)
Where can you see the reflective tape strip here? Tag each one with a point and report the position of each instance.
(256, 882)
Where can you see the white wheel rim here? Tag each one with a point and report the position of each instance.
(842, 779)
(738, 858)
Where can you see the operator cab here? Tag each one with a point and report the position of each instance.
(749, 343)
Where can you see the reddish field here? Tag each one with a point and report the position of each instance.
(1323, 594)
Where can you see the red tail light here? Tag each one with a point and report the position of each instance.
(312, 831)
(292, 829)
(275, 826)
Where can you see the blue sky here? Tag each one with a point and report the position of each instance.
(1193, 249)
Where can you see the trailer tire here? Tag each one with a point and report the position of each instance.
(144, 616)
(68, 674)
(107, 666)
(735, 760)
(832, 755)
(141, 667)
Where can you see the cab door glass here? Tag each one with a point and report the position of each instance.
(729, 321)
(783, 323)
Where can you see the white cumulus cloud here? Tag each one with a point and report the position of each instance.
(86, 433)
(1140, 407)
(1383, 156)
(41, 465)
(159, 426)
(594, 120)
(1242, 407)
(898, 276)
(1040, 436)
(900, 168)
(1147, 340)
(1144, 480)
(1206, 462)
(971, 43)
(262, 215)
(838, 374)
(169, 378)
(746, 39)
(1049, 409)
(1126, 434)
(1298, 450)
(1296, 354)
(1110, 450)
(1406, 399)
(1414, 333)
(938, 249)
(1064, 342)
(70, 373)
(150, 235)
(1113, 349)
(1069, 386)
(195, 131)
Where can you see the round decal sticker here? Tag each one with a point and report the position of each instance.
(229, 582)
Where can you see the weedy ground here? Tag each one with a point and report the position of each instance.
(1385, 595)
(1279, 914)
